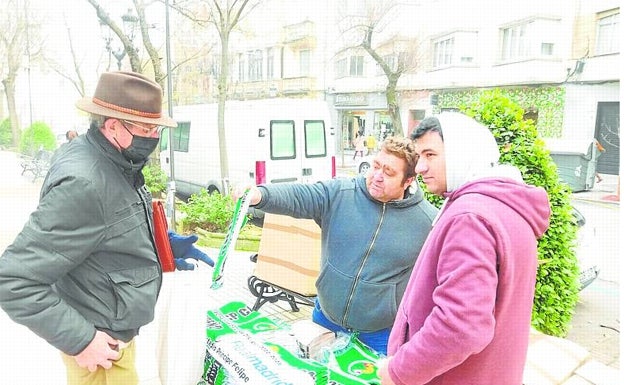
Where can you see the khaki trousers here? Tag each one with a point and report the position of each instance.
(123, 371)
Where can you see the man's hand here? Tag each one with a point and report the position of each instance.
(382, 372)
(254, 193)
(102, 351)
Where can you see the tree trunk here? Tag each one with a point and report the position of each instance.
(9, 89)
(393, 105)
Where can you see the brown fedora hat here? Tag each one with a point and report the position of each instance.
(129, 96)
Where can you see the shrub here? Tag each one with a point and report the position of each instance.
(155, 179)
(557, 287)
(6, 135)
(38, 135)
(209, 211)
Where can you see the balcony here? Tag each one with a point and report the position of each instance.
(300, 36)
(300, 85)
(273, 88)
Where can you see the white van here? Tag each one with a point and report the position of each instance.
(268, 141)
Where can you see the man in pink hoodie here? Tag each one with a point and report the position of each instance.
(466, 313)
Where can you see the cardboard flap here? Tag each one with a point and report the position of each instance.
(289, 253)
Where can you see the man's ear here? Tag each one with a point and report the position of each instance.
(408, 182)
(109, 125)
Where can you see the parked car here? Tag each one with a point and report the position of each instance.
(589, 269)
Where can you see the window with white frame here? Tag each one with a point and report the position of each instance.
(390, 60)
(443, 52)
(304, 62)
(356, 66)
(607, 34)
(270, 63)
(530, 39)
(255, 65)
(515, 42)
(241, 67)
(457, 48)
(341, 68)
(350, 66)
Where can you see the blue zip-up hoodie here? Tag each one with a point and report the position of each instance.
(368, 248)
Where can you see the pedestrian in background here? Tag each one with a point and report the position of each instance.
(71, 134)
(358, 144)
(371, 144)
(466, 313)
(83, 273)
(371, 230)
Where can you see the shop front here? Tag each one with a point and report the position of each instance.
(364, 113)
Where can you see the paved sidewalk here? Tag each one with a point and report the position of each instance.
(557, 361)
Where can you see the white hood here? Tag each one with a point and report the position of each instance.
(471, 151)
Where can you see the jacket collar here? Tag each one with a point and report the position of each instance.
(131, 171)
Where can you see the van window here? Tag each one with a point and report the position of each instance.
(180, 137)
(283, 139)
(315, 145)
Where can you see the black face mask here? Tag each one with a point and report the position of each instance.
(140, 147)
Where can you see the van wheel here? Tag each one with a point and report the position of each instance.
(212, 189)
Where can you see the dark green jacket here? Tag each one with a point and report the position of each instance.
(86, 259)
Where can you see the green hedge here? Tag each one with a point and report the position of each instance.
(557, 285)
(38, 135)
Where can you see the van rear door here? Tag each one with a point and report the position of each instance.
(296, 153)
(317, 152)
(282, 164)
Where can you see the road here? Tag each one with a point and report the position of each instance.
(596, 323)
(30, 359)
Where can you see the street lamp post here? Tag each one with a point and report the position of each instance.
(129, 22)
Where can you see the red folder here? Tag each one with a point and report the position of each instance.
(163, 247)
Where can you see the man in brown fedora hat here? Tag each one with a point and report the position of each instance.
(83, 273)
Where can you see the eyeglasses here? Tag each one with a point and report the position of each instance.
(147, 130)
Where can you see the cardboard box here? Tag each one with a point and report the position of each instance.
(289, 253)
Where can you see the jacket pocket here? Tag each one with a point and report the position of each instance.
(127, 219)
(136, 291)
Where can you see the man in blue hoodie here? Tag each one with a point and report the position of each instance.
(372, 228)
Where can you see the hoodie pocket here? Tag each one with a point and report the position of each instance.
(372, 305)
(136, 291)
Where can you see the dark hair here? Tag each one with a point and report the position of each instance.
(430, 123)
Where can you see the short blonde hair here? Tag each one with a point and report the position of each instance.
(402, 148)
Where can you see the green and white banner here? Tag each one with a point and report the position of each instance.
(245, 347)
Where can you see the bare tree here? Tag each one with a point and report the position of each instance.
(18, 31)
(74, 76)
(225, 15)
(394, 54)
(128, 45)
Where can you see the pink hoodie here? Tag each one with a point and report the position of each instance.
(465, 316)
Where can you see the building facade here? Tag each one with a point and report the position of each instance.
(559, 60)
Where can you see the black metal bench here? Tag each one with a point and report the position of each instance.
(38, 165)
(271, 293)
